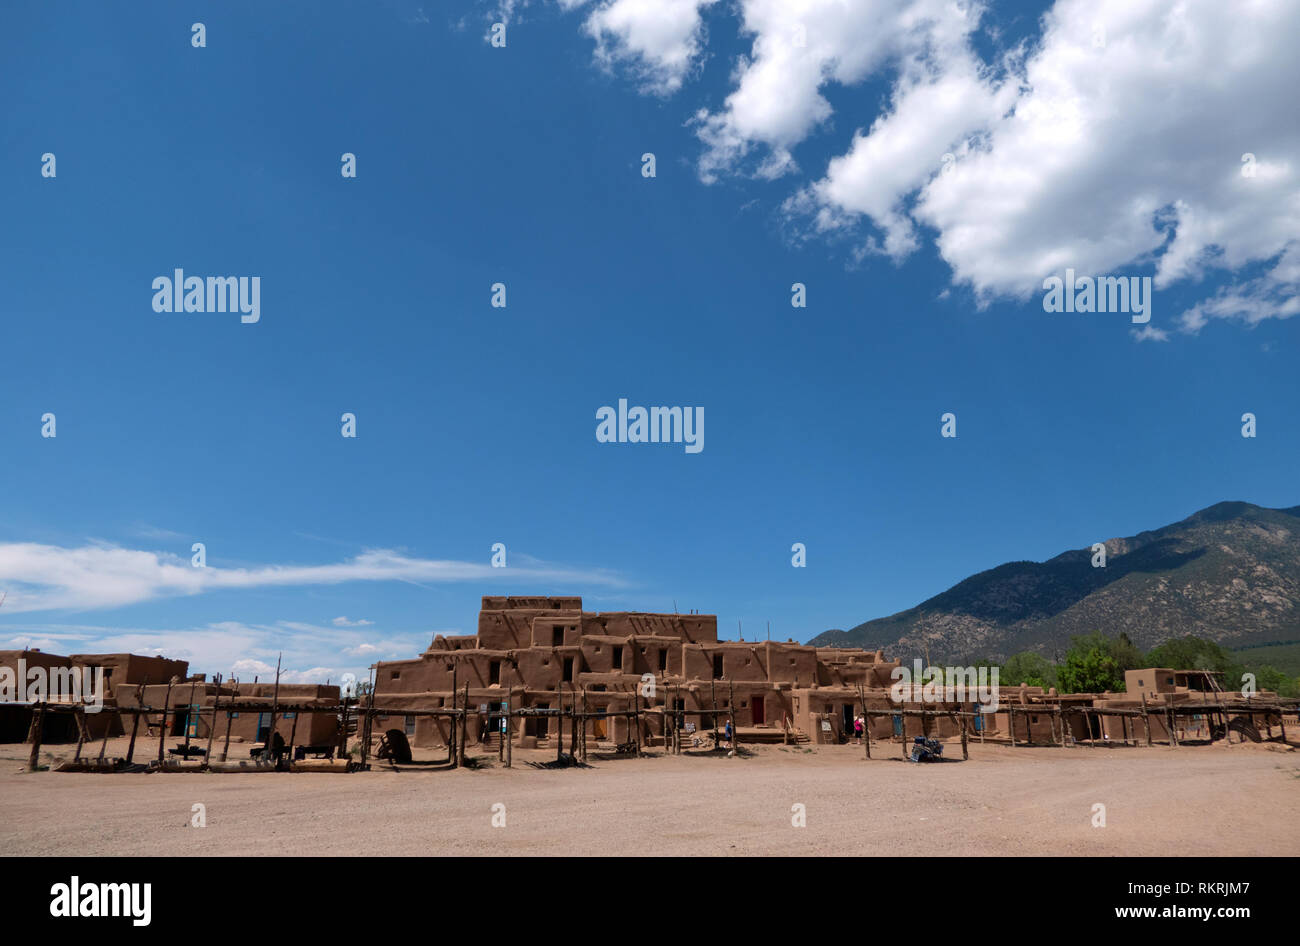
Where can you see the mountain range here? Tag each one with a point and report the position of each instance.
(1229, 573)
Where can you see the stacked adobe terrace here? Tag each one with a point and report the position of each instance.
(541, 650)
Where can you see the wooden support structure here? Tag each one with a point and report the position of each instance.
(460, 742)
(212, 729)
(162, 727)
(275, 705)
(509, 733)
(36, 734)
(135, 723)
(79, 714)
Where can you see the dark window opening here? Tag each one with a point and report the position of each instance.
(717, 667)
(618, 658)
(663, 660)
(494, 672)
(557, 636)
(568, 669)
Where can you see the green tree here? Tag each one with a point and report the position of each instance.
(1028, 668)
(1095, 663)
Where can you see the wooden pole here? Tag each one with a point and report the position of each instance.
(735, 719)
(460, 742)
(189, 715)
(37, 733)
(212, 729)
(573, 723)
(293, 734)
(509, 734)
(1146, 720)
(135, 723)
(713, 689)
(1011, 722)
(104, 743)
(79, 715)
(343, 732)
(584, 724)
(965, 752)
(559, 723)
(455, 696)
(275, 705)
(162, 728)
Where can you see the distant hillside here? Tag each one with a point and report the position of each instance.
(1229, 573)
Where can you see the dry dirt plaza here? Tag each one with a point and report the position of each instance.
(1218, 800)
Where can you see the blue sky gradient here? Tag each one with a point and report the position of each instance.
(475, 424)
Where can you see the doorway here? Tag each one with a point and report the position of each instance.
(758, 707)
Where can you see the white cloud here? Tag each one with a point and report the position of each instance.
(45, 577)
(1114, 140)
(1150, 333)
(311, 653)
(659, 40)
(342, 621)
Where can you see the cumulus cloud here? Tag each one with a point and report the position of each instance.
(1124, 134)
(44, 577)
(660, 40)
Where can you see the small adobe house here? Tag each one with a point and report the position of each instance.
(119, 670)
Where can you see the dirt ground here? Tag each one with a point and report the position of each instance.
(1208, 800)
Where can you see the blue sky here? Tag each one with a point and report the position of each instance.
(476, 425)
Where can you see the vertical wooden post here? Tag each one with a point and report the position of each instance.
(460, 742)
(162, 728)
(189, 714)
(735, 719)
(293, 733)
(965, 752)
(1011, 722)
(559, 722)
(79, 716)
(713, 690)
(135, 724)
(866, 721)
(584, 724)
(451, 727)
(103, 745)
(509, 734)
(343, 732)
(1146, 720)
(1172, 722)
(37, 733)
(230, 722)
(212, 729)
(275, 705)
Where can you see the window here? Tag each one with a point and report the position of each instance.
(717, 666)
(395, 674)
(557, 636)
(230, 715)
(290, 715)
(494, 672)
(410, 726)
(618, 658)
(663, 660)
(568, 669)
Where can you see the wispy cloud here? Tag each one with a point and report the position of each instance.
(311, 653)
(47, 577)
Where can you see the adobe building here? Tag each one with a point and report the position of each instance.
(539, 651)
(190, 710)
(118, 669)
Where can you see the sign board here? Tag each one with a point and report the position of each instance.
(689, 727)
(826, 726)
(482, 707)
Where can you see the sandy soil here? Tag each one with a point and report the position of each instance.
(1213, 800)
